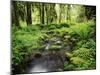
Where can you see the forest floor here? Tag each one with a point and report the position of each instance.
(54, 47)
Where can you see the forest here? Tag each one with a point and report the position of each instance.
(52, 37)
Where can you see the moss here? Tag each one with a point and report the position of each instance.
(77, 60)
(69, 55)
(55, 47)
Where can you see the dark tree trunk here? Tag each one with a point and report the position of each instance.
(42, 13)
(46, 11)
(68, 13)
(50, 13)
(16, 15)
(29, 17)
(60, 15)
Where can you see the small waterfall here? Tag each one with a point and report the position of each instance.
(51, 42)
(58, 42)
(38, 68)
(47, 46)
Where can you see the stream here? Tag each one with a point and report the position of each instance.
(50, 60)
(45, 63)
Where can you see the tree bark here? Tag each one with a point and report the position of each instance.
(47, 12)
(42, 13)
(68, 12)
(16, 15)
(29, 14)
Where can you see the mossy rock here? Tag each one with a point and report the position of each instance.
(38, 55)
(69, 55)
(55, 47)
(67, 36)
(77, 61)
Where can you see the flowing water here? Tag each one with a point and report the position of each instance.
(45, 63)
(49, 60)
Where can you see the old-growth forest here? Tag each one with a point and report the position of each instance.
(51, 37)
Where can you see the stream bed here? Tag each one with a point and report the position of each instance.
(45, 63)
(50, 60)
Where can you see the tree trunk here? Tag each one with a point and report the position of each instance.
(60, 13)
(16, 15)
(42, 13)
(53, 15)
(29, 17)
(47, 12)
(68, 12)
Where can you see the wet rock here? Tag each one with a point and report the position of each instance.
(38, 55)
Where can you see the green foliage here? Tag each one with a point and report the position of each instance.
(86, 52)
(24, 41)
(63, 31)
(77, 61)
(82, 30)
(91, 23)
(68, 67)
(64, 25)
(52, 26)
(83, 53)
(87, 44)
(83, 56)
(71, 23)
(69, 55)
(57, 26)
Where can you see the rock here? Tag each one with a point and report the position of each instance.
(55, 47)
(37, 55)
(67, 36)
(77, 61)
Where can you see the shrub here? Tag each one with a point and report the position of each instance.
(82, 30)
(64, 25)
(51, 26)
(63, 31)
(90, 44)
(24, 41)
(83, 56)
(83, 53)
(91, 23)
(88, 56)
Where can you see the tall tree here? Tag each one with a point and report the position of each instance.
(29, 14)
(42, 13)
(47, 13)
(62, 13)
(57, 8)
(51, 14)
(15, 14)
(68, 12)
